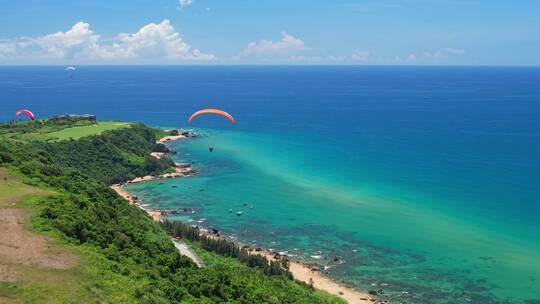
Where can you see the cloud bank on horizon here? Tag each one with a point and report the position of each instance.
(403, 32)
(161, 43)
(286, 45)
(154, 42)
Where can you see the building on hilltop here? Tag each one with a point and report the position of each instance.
(89, 117)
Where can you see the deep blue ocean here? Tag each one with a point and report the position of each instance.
(424, 180)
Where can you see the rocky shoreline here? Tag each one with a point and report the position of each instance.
(180, 170)
(309, 273)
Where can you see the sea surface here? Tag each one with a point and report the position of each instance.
(422, 181)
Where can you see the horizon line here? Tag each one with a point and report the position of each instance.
(267, 65)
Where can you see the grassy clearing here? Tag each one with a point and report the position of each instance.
(83, 131)
(42, 285)
(47, 131)
(22, 281)
(13, 191)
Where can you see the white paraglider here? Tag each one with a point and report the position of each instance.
(71, 70)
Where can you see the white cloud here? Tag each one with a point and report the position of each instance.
(286, 45)
(360, 55)
(455, 51)
(433, 55)
(64, 44)
(7, 48)
(184, 3)
(438, 55)
(57, 45)
(442, 54)
(302, 58)
(336, 58)
(411, 57)
(154, 42)
(158, 40)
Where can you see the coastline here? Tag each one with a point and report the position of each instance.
(166, 139)
(155, 215)
(301, 271)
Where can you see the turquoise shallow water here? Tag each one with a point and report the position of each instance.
(425, 180)
(294, 197)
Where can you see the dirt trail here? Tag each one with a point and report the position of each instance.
(184, 250)
(18, 246)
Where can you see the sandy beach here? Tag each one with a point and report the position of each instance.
(303, 272)
(158, 155)
(180, 170)
(166, 139)
(300, 271)
(155, 215)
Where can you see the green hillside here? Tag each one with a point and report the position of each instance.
(110, 251)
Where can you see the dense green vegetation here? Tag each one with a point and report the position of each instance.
(220, 261)
(227, 248)
(111, 157)
(127, 258)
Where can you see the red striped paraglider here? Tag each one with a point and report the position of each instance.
(212, 111)
(27, 113)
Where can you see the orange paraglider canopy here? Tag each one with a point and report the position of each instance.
(212, 111)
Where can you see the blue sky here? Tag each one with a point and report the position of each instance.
(458, 32)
